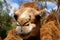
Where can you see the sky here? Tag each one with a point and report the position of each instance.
(51, 6)
(17, 3)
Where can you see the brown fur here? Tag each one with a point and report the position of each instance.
(13, 36)
(34, 35)
(27, 4)
(30, 4)
(50, 29)
(0, 38)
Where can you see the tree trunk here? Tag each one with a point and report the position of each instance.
(58, 3)
(45, 4)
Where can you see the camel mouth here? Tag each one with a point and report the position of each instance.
(25, 36)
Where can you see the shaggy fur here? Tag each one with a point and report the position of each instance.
(33, 19)
(12, 35)
(27, 4)
(50, 29)
(30, 4)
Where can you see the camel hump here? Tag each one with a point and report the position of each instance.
(52, 17)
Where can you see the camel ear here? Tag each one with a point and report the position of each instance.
(16, 13)
(52, 17)
(34, 11)
(39, 12)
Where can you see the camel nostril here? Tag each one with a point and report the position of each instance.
(21, 30)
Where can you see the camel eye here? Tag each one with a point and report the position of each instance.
(27, 24)
(15, 16)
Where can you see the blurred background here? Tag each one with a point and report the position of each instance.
(7, 21)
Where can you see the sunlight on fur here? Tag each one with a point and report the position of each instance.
(28, 23)
(50, 29)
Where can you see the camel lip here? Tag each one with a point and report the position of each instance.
(25, 34)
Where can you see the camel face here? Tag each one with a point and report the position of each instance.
(25, 21)
(28, 20)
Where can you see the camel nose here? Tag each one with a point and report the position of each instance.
(21, 30)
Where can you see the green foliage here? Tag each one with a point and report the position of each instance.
(0, 3)
(5, 21)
